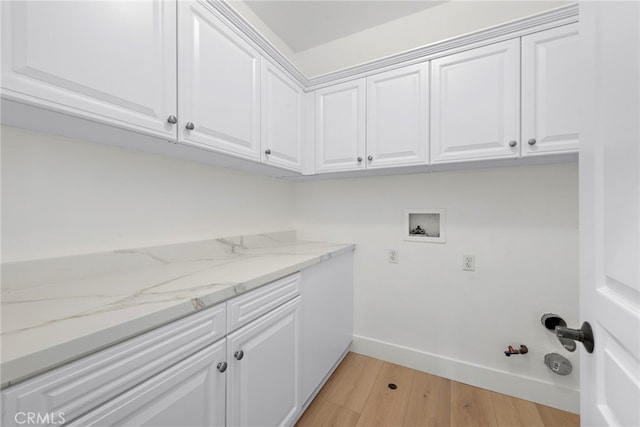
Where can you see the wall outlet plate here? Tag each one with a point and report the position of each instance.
(469, 262)
(394, 256)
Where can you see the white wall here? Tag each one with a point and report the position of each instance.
(63, 197)
(451, 19)
(258, 24)
(521, 224)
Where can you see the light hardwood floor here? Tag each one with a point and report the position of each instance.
(357, 394)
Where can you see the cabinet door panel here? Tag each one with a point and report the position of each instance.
(326, 288)
(282, 109)
(476, 104)
(219, 85)
(114, 62)
(397, 117)
(191, 393)
(80, 386)
(263, 385)
(550, 91)
(340, 127)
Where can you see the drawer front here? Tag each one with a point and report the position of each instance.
(80, 386)
(245, 308)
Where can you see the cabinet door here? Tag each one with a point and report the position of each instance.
(550, 91)
(83, 385)
(327, 287)
(340, 127)
(112, 62)
(282, 119)
(476, 104)
(219, 85)
(397, 117)
(263, 376)
(190, 393)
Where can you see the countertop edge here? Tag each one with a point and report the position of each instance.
(26, 367)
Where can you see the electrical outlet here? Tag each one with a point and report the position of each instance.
(469, 262)
(394, 256)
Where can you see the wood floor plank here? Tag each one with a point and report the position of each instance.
(387, 407)
(357, 394)
(312, 413)
(339, 377)
(511, 411)
(327, 414)
(553, 417)
(471, 406)
(329, 384)
(340, 417)
(429, 402)
(353, 380)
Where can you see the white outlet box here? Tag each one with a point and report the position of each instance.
(469, 262)
(394, 256)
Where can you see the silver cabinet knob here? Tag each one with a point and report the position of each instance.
(172, 119)
(222, 366)
(190, 126)
(532, 141)
(267, 151)
(513, 143)
(359, 159)
(370, 158)
(238, 355)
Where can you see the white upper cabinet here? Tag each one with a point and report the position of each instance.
(340, 127)
(179, 71)
(550, 91)
(111, 62)
(219, 85)
(475, 104)
(397, 117)
(282, 119)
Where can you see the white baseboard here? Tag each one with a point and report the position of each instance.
(535, 390)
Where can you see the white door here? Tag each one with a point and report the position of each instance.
(282, 119)
(610, 212)
(263, 377)
(190, 393)
(340, 127)
(550, 91)
(112, 62)
(475, 104)
(398, 117)
(219, 85)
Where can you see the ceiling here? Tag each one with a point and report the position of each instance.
(303, 24)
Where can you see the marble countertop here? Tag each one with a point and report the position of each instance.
(57, 310)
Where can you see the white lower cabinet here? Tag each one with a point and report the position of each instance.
(92, 385)
(190, 393)
(188, 373)
(263, 376)
(326, 320)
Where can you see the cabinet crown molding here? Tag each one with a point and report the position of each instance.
(560, 16)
